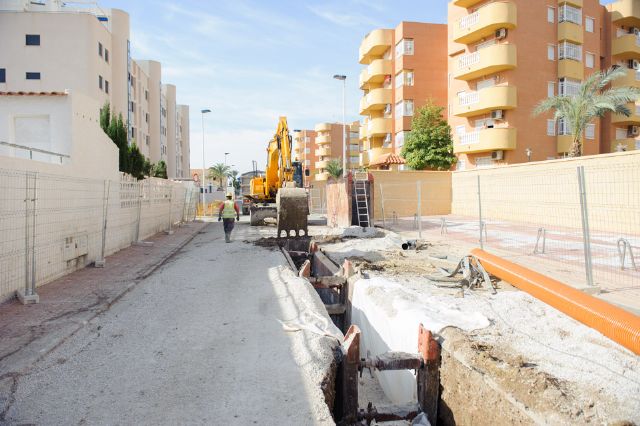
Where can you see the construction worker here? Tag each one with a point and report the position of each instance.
(228, 213)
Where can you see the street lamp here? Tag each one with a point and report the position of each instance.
(344, 124)
(202, 180)
(225, 157)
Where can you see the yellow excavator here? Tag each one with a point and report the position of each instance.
(279, 193)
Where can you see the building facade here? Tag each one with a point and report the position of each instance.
(49, 46)
(405, 67)
(507, 56)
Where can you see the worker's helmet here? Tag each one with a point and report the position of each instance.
(229, 194)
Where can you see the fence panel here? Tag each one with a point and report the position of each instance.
(398, 206)
(52, 225)
(318, 200)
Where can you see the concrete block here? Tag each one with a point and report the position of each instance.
(348, 269)
(100, 263)
(592, 290)
(169, 232)
(27, 299)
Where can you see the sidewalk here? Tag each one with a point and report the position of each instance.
(30, 332)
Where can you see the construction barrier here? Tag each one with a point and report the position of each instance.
(617, 324)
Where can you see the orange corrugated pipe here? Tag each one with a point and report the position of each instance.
(617, 324)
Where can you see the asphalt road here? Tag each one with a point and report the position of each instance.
(197, 342)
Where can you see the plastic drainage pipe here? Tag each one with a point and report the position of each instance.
(617, 324)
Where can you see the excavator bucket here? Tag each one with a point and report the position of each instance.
(293, 211)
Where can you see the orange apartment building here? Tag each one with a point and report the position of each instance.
(506, 56)
(405, 67)
(315, 148)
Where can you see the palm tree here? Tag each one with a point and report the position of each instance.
(233, 174)
(593, 100)
(218, 172)
(334, 168)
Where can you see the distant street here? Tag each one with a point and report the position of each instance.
(197, 342)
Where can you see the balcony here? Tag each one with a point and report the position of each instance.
(632, 120)
(626, 47)
(493, 59)
(377, 152)
(322, 164)
(321, 177)
(364, 158)
(564, 143)
(375, 44)
(626, 13)
(570, 32)
(376, 99)
(379, 127)
(323, 127)
(628, 144)
(486, 140)
(376, 72)
(485, 22)
(486, 100)
(466, 3)
(570, 68)
(323, 152)
(363, 132)
(323, 139)
(632, 79)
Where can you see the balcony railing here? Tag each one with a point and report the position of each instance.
(468, 60)
(469, 20)
(34, 153)
(468, 98)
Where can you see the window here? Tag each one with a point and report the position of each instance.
(551, 15)
(590, 131)
(551, 127)
(3, 75)
(400, 137)
(146, 95)
(404, 78)
(32, 39)
(563, 128)
(567, 13)
(404, 108)
(551, 52)
(404, 47)
(589, 24)
(106, 55)
(551, 89)
(100, 49)
(567, 50)
(569, 87)
(590, 60)
(100, 82)
(106, 86)
(399, 80)
(146, 117)
(33, 76)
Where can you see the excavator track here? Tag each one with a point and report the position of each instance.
(293, 211)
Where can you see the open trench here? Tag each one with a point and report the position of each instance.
(447, 379)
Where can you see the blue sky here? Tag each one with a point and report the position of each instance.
(251, 61)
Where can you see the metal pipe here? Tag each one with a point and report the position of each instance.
(480, 213)
(419, 214)
(586, 237)
(105, 212)
(33, 235)
(26, 234)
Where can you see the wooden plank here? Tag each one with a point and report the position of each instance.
(428, 379)
(346, 409)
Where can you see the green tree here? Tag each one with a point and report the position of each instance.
(136, 162)
(334, 168)
(429, 144)
(105, 116)
(148, 167)
(218, 172)
(233, 175)
(160, 170)
(593, 100)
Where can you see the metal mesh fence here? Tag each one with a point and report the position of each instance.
(578, 224)
(52, 225)
(318, 200)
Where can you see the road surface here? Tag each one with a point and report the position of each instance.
(197, 342)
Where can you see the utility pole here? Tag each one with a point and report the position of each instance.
(343, 78)
(202, 179)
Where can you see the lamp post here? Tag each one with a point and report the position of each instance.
(202, 179)
(225, 157)
(343, 78)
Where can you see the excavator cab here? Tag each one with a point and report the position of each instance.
(297, 174)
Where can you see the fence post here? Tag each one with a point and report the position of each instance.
(29, 295)
(170, 231)
(586, 236)
(480, 214)
(384, 225)
(139, 210)
(100, 263)
(419, 184)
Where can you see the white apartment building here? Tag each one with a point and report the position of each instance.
(56, 46)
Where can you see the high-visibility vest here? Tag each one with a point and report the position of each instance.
(229, 211)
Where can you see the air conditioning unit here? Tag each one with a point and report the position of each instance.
(501, 33)
(497, 155)
(634, 64)
(634, 30)
(497, 114)
(633, 131)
